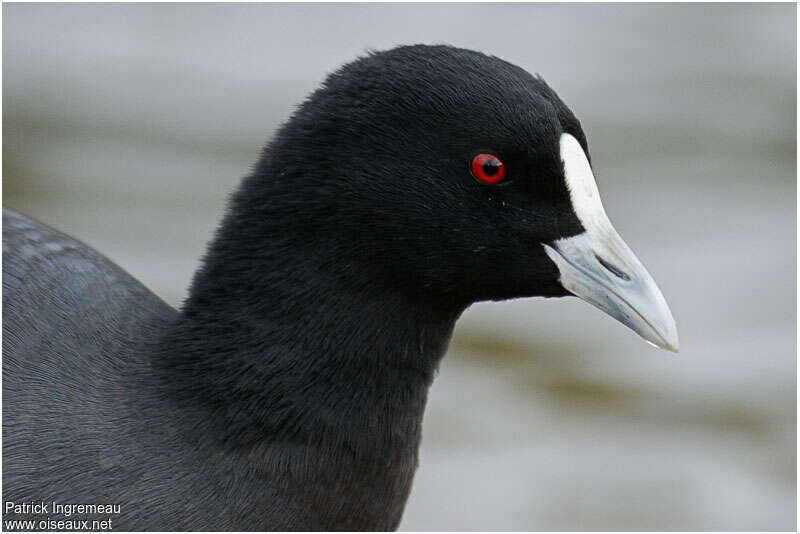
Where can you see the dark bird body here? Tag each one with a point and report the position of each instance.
(288, 392)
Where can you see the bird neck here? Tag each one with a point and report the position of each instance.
(311, 370)
(319, 357)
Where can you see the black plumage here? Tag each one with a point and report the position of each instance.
(289, 390)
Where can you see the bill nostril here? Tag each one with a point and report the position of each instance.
(613, 270)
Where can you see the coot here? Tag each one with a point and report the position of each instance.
(288, 391)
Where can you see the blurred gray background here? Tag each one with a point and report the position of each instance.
(128, 126)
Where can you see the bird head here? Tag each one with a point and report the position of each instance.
(446, 172)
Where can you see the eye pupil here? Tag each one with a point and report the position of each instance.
(491, 167)
(488, 168)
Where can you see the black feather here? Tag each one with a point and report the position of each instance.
(288, 392)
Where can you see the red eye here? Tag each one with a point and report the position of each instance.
(488, 169)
